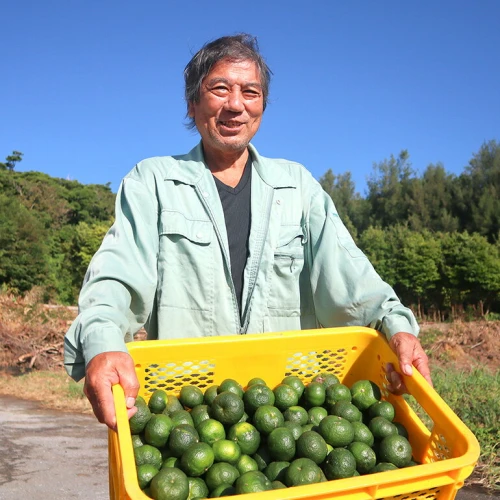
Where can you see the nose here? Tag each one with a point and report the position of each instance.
(234, 101)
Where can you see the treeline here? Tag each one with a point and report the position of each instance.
(49, 230)
(434, 236)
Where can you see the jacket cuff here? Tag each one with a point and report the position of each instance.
(102, 340)
(394, 324)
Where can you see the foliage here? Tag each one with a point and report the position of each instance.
(435, 237)
(47, 228)
(475, 397)
(11, 160)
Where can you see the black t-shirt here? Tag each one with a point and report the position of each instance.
(236, 205)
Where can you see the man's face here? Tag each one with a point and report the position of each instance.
(230, 108)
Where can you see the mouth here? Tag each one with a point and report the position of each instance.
(230, 124)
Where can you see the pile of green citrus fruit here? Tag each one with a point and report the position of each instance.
(227, 440)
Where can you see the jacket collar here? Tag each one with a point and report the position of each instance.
(191, 167)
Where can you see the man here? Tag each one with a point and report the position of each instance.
(224, 241)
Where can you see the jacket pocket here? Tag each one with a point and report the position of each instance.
(284, 293)
(185, 262)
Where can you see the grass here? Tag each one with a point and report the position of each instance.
(53, 389)
(475, 397)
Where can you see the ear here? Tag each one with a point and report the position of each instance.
(191, 110)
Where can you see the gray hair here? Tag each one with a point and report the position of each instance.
(241, 47)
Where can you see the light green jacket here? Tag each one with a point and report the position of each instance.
(164, 264)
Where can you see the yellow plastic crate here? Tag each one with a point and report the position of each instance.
(448, 451)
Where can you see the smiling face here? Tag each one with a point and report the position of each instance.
(230, 107)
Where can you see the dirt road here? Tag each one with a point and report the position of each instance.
(45, 454)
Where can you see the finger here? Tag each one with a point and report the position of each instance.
(101, 399)
(403, 345)
(421, 363)
(396, 383)
(128, 380)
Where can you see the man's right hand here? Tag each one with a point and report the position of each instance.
(104, 371)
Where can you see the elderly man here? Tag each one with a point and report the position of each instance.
(224, 241)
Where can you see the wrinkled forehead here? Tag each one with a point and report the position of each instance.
(229, 69)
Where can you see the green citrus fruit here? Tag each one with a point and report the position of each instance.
(257, 395)
(295, 383)
(200, 413)
(340, 463)
(210, 431)
(226, 450)
(337, 392)
(316, 414)
(209, 395)
(365, 393)
(336, 431)
(312, 445)
(267, 418)
(181, 417)
(197, 459)
(157, 401)
(281, 444)
(285, 396)
(396, 450)
(383, 467)
(252, 482)
(296, 414)
(246, 435)
(246, 463)
(362, 433)
(382, 409)
(221, 473)
(158, 430)
(228, 408)
(141, 417)
(145, 473)
(230, 385)
(197, 488)
(181, 438)
(327, 379)
(346, 410)
(276, 471)
(191, 396)
(148, 454)
(364, 455)
(314, 394)
(170, 484)
(278, 485)
(295, 428)
(256, 381)
(303, 471)
(380, 427)
(173, 404)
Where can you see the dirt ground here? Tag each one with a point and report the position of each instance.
(31, 338)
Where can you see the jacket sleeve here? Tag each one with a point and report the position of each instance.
(347, 291)
(120, 284)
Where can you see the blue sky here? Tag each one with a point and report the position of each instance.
(89, 88)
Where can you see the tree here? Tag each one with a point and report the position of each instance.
(431, 201)
(477, 192)
(471, 270)
(23, 249)
(388, 189)
(11, 160)
(350, 206)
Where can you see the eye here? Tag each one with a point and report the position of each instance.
(251, 93)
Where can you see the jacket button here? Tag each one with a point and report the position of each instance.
(199, 236)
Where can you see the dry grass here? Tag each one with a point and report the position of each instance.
(54, 389)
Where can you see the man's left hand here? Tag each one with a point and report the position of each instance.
(410, 354)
